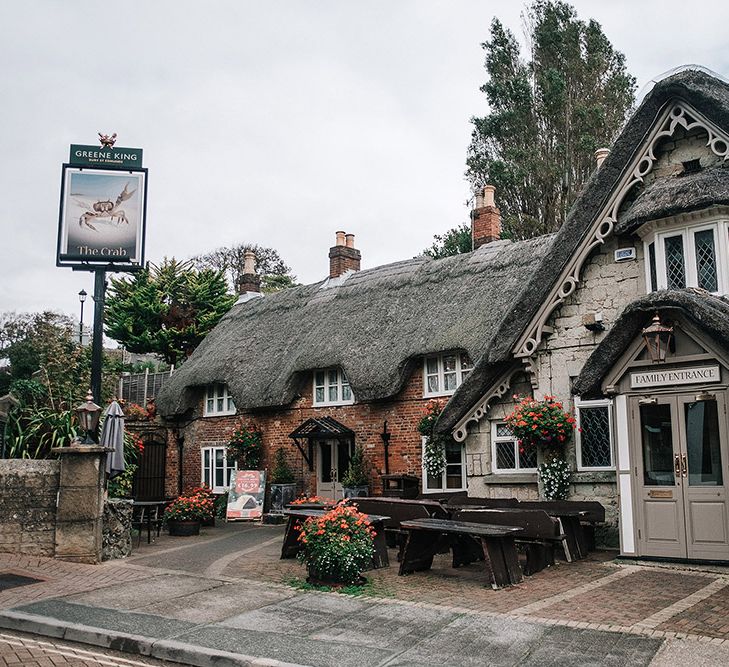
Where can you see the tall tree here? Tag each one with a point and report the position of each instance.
(275, 273)
(547, 115)
(453, 242)
(166, 309)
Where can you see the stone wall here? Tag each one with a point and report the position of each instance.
(116, 541)
(28, 492)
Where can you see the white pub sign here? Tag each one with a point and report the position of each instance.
(675, 376)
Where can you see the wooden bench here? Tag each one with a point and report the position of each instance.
(459, 502)
(291, 546)
(540, 534)
(399, 510)
(425, 537)
(591, 514)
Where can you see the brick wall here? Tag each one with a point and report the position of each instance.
(28, 491)
(403, 412)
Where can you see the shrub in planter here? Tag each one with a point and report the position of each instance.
(355, 483)
(205, 491)
(337, 546)
(283, 488)
(245, 447)
(184, 515)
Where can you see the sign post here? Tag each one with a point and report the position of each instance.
(102, 223)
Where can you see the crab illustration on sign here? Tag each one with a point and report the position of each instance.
(105, 209)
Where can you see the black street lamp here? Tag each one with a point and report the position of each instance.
(81, 297)
(657, 339)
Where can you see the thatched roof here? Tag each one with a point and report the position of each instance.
(709, 313)
(708, 95)
(374, 325)
(676, 194)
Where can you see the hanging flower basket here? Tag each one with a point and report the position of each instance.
(434, 459)
(543, 424)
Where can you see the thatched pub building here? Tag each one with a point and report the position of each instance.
(355, 358)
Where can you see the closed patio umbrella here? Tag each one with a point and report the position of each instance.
(112, 436)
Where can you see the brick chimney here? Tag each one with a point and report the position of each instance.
(485, 218)
(343, 256)
(249, 281)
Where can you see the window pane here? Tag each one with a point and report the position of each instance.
(433, 482)
(433, 384)
(503, 431)
(231, 405)
(210, 405)
(319, 379)
(652, 266)
(704, 449)
(333, 376)
(449, 381)
(705, 260)
(454, 479)
(506, 455)
(465, 361)
(454, 453)
(219, 468)
(431, 364)
(346, 393)
(657, 435)
(449, 363)
(675, 268)
(528, 457)
(333, 394)
(320, 394)
(595, 437)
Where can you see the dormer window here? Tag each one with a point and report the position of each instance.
(218, 401)
(444, 373)
(693, 256)
(331, 387)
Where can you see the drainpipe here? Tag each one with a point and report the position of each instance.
(386, 441)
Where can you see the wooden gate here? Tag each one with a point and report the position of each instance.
(149, 478)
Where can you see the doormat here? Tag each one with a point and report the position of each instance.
(10, 580)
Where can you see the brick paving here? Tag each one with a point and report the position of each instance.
(709, 618)
(21, 650)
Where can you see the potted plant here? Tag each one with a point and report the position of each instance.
(184, 515)
(545, 425)
(205, 491)
(337, 546)
(355, 483)
(245, 447)
(283, 488)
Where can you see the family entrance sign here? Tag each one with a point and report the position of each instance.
(101, 222)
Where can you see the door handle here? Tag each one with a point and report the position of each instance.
(684, 465)
(677, 465)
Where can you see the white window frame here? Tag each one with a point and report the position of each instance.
(215, 393)
(461, 373)
(212, 467)
(494, 460)
(600, 403)
(721, 252)
(443, 488)
(342, 381)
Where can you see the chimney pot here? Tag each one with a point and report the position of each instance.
(600, 155)
(485, 218)
(249, 281)
(249, 262)
(343, 256)
(340, 238)
(349, 240)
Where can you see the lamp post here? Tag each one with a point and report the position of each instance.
(657, 339)
(88, 414)
(81, 297)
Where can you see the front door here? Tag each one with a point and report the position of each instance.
(681, 455)
(333, 461)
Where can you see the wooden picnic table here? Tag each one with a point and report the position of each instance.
(148, 513)
(291, 547)
(426, 537)
(571, 521)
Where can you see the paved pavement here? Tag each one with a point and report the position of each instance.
(226, 599)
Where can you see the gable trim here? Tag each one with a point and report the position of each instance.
(677, 114)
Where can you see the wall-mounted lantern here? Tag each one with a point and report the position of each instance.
(657, 339)
(88, 414)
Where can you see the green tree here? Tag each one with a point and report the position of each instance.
(547, 115)
(166, 309)
(275, 273)
(453, 242)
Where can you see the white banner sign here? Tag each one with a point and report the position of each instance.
(676, 376)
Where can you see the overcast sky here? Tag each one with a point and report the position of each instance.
(275, 122)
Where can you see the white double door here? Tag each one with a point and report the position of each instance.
(332, 462)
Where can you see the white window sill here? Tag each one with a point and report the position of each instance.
(219, 414)
(440, 395)
(434, 491)
(511, 477)
(331, 405)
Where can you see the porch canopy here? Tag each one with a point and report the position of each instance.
(318, 428)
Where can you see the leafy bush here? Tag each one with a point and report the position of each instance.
(245, 447)
(338, 545)
(220, 506)
(281, 472)
(121, 485)
(356, 474)
(32, 432)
